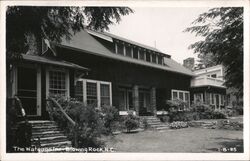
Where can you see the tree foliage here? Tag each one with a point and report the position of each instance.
(206, 61)
(26, 25)
(222, 29)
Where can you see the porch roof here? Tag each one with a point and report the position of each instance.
(85, 42)
(52, 61)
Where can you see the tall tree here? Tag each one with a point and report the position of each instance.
(26, 25)
(222, 29)
(207, 60)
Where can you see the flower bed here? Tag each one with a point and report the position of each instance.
(178, 125)
(229, 125)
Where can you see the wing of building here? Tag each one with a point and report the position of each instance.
(208, 86)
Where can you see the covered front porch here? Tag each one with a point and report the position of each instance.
(33, 78)
(140, 99)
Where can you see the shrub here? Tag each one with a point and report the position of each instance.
(177, 105)
(110, 116)
(145, 123)
(131, 122)
(90, 125)
(183, 116)
(229, 125)
(164, 118)
(205, 111)
(218, 114)
(239, 109)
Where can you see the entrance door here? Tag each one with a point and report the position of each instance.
(27, 90)
(125, 100)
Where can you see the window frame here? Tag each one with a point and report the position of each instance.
(202, 96)
(154, 57)
(135, 53)
(98, 86)
(54, 69)
(178, 95)
(105, 96)
(159, 60)
(128, 52)
(96, 90)
(141, 55)
(80, 94)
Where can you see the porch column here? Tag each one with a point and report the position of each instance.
(135, 95)
(205, 97)
(153, 100)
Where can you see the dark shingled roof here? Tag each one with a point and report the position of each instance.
(52, 61)
(85, 42)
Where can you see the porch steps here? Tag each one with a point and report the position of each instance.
(203, 124)
(154, 123)
(47, 135)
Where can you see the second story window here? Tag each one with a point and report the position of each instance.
(119, 49)
(141, 56)
(148, 59)
(159, 60)
(128, 51)
(135, 53)
(153, 58)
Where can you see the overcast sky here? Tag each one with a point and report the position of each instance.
(161, 25)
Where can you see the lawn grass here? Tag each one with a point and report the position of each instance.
(192, 140)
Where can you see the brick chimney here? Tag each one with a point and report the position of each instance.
(189, 63)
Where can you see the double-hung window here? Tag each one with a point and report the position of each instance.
(198, 97)
(79, 91)
(93, 92)
(105, 94)
(57, 82)
(182, 95)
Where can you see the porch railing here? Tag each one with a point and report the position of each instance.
(58, 107)
(21, 135)
(200, 81)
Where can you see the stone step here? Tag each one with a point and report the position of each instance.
(47, 133)
(163, 128)
(57, 144)
(150, 118)
(40, 121)
(208, 123)
(153, 120)
(42, 129)
(50, 139)
(154, 123)
(44, 126)
(161, 125)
